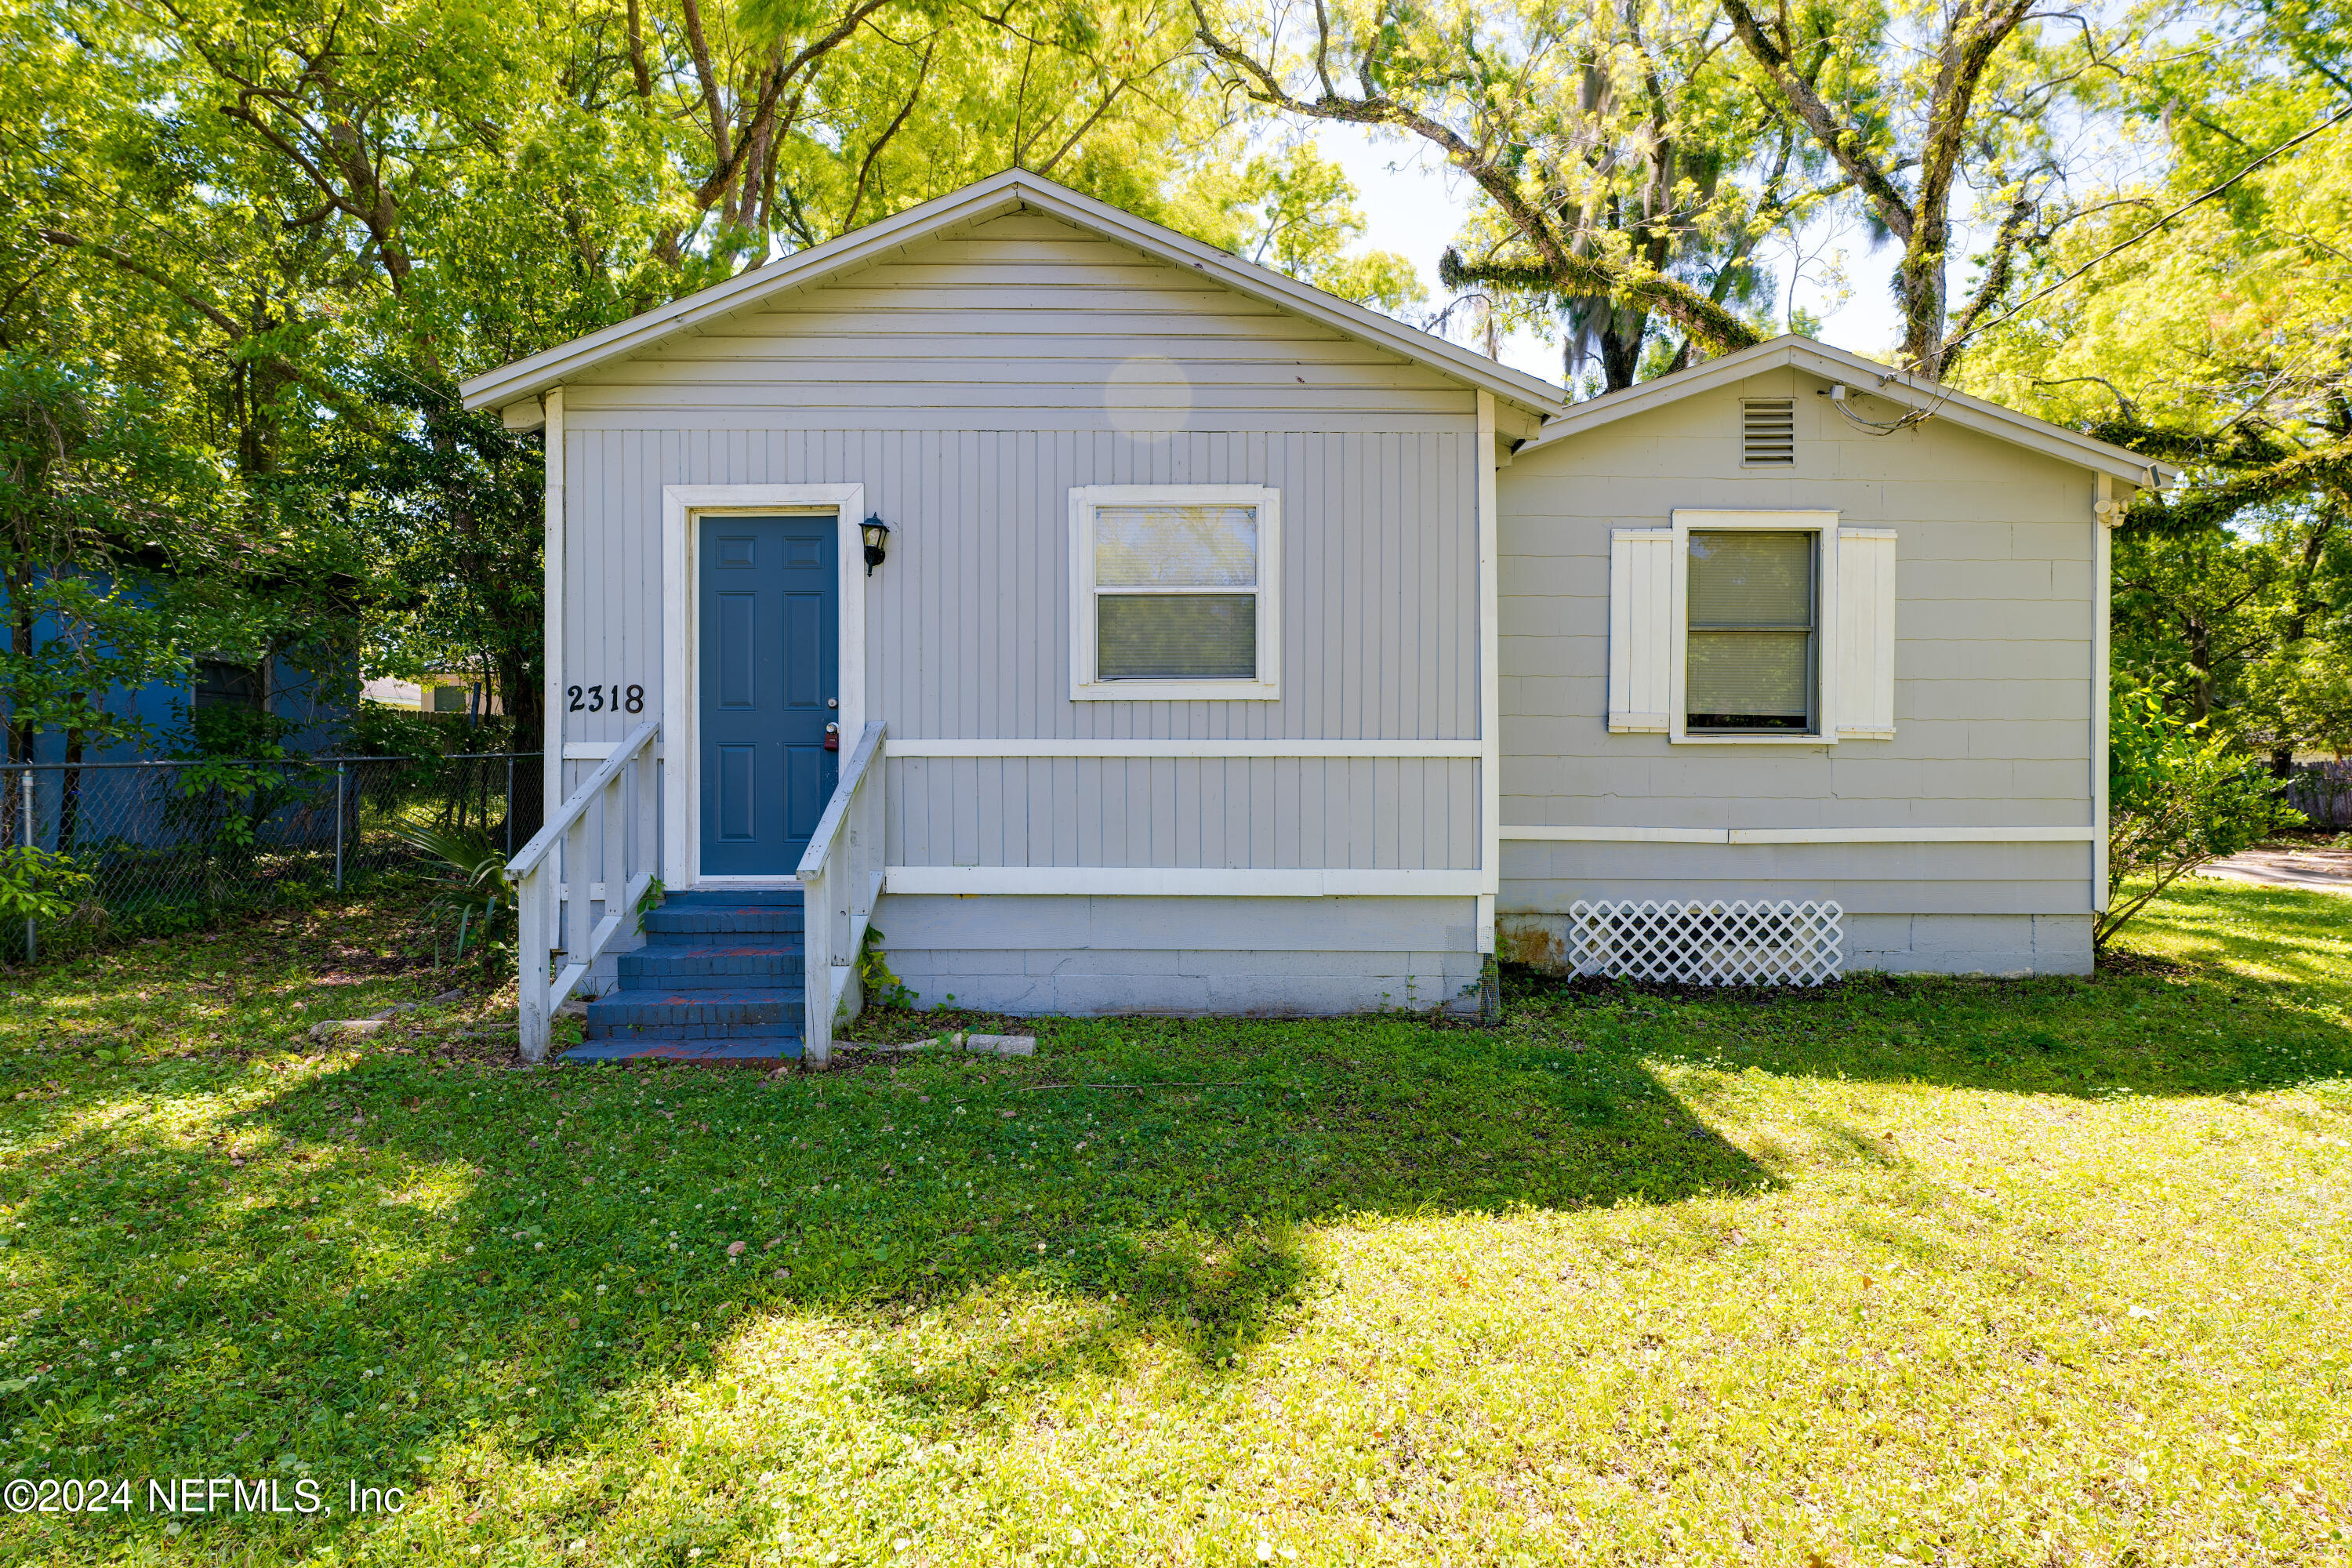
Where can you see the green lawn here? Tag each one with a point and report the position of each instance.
(2050, 1273)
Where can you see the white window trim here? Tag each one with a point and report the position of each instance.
(1084, 685)
(1824, 525)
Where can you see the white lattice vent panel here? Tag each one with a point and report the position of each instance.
(1708, 943)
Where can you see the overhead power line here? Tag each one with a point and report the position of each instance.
(2202, 196)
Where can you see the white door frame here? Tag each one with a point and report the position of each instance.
(684, 506)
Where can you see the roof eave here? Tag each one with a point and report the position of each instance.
(1837, 364)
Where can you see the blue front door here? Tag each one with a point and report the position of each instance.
(771, 658)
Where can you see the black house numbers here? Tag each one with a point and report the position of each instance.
(596, 699)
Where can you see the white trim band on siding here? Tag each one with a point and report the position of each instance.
(1337, 750)
(1186, 881)
(1805, 834)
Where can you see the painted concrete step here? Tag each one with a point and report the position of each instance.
(776, 1007)
(757, 1050)
(654, 1033)
(689, 898)
(681, 964)
(734, 917)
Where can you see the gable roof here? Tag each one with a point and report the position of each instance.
(1012, 191)
(1867, 376)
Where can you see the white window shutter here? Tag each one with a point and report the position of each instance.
(1642, 567)
(1865, 632)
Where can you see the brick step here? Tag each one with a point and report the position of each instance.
(679, 964)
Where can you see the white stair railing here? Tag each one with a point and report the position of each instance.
(577, 881)
(841, 876)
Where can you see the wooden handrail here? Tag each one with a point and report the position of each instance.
(528, 859)
(841, 887)
(828, 827)
(560, 916)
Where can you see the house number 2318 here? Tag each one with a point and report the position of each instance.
(596, 699)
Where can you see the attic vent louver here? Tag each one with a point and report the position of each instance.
(1768, 432)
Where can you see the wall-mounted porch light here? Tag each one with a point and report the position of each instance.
(878, 539)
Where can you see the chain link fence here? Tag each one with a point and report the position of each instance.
(156, 847)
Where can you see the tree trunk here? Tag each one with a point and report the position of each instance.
(1620, 351)
(1921, 283)
(519, 694)
(2200, 660)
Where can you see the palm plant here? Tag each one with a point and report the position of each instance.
(473, 885)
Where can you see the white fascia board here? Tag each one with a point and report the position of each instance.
(1873, 379)
(989, 198)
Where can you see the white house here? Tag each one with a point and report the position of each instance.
(1124, 627)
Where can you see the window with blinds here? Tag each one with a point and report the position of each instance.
(1752, 653)
(1176, 593)
(1174, 585)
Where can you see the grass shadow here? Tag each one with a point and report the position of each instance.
(364, 1269)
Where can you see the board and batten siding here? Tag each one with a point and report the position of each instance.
(1995, 604)
(968, 384)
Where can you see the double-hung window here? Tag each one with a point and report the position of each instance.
(1759, 628)
(1176, 591)
(1751, 638)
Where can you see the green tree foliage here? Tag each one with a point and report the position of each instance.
(2178, 796)
(2200, 316)
(1294, 211)
(37, 884)
(293, 225)
(1920, 104)
(1626, 176)
(448, 505)
(1634, 154)
(87, 495)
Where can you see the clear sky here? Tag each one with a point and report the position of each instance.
(1415, 205)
